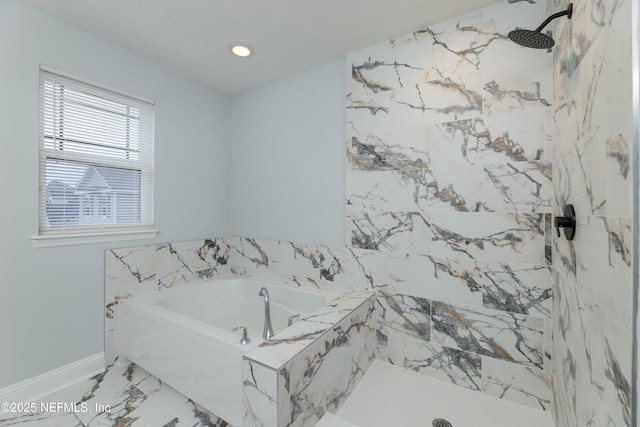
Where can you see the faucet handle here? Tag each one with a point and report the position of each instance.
(245, 337)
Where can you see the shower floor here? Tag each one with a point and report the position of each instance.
(392, 396)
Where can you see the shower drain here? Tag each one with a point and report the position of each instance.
(439, 422)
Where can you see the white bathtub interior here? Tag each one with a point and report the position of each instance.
(235, 302)
(183, 336)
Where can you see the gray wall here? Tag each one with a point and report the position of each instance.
(287, 158)
(51, 300)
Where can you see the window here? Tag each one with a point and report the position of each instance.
(96, 161)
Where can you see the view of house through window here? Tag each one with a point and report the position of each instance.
(96, 158)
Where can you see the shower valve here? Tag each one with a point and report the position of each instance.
(568, 222)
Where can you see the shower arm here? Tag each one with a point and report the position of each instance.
(569, 11)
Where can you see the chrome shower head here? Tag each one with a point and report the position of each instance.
(535, 38)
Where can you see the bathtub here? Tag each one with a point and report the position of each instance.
(184, 336)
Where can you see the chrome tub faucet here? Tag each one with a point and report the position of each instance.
(267, 332)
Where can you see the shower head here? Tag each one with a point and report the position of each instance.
(535, 38)
(532, 39)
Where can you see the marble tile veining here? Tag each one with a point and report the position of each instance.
(411, 315)
(323, 377)
(390, 231)
(487, 236)
(449, 161)
(517, 288)
(457, 367)
(442, 279)
(521, 384)
(591, 320)
(507, 336)
(521, 187)
(120, 396)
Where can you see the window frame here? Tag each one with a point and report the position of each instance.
(95, 233)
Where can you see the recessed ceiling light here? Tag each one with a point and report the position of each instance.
(241, 49)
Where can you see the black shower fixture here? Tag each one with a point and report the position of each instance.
(534, 38)
(568, 222)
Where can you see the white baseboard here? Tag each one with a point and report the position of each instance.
(52, 381)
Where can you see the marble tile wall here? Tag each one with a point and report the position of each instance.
(139, 270)
(333, 268)
(322, 378)
(296, 392)
(592, 312)
(449, 176)
(461, 146)
(298, 377)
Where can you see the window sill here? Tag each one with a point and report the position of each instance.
(68, 239)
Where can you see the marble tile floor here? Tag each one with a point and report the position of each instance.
(121, 396)
(386, 396)
(389, 395)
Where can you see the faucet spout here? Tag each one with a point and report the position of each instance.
(267, 332)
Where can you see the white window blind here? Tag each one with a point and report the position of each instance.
(96, 159)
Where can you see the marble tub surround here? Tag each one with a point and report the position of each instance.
(449, 175)
(312, 367)
(592, 313)
(333, 268)
(338, 339)
(140, 270)
(323, 378)
(288, 344)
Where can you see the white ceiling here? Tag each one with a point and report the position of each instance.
(289, 36)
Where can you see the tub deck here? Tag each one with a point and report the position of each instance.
(392, 396)
(179, 336)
